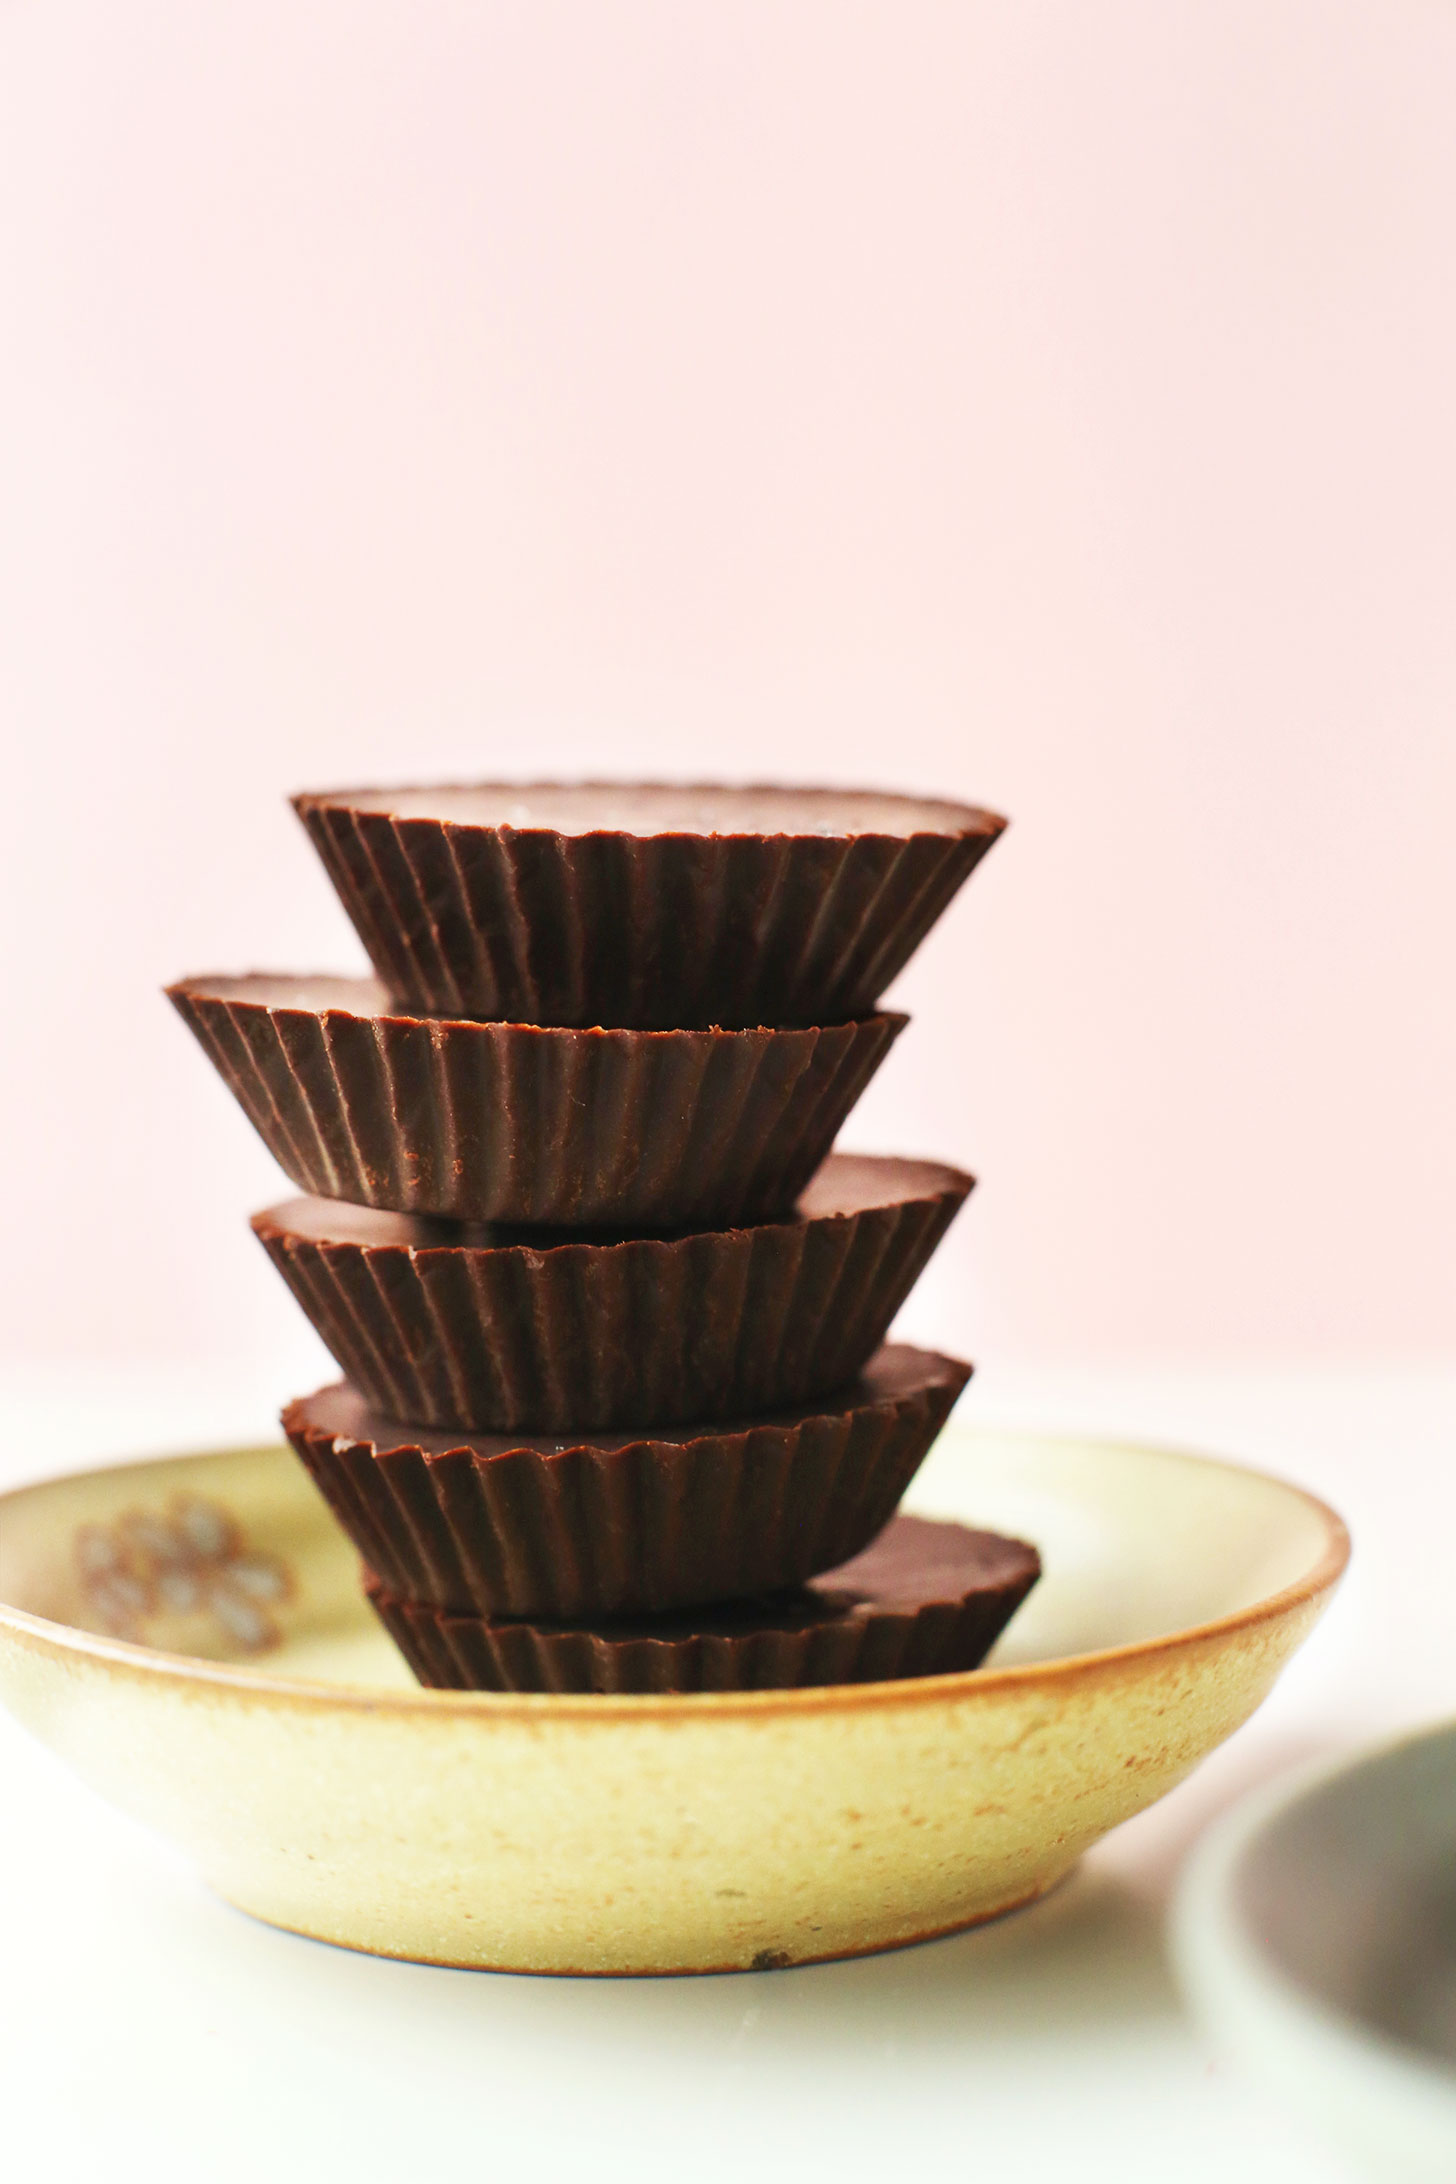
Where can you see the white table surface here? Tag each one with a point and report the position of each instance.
(149, 2032)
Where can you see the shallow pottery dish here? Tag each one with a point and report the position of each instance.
(1316, 1934)
(190, 1635)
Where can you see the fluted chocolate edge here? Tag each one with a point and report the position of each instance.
(646, 1332)
(472, 1653)
(584, 1532)
(648, 930)
(556, 1128)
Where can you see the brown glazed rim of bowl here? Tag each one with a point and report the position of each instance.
(970, 819)
(143, 1661)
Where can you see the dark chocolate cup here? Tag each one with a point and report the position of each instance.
(565, 1528)
(642, 905)
(784, 1643)
(497, 1330)
(516, 1123)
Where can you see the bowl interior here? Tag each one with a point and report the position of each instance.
(232, 1556)
(1351, 1893)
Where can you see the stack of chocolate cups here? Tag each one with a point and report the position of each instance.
(618, 1413)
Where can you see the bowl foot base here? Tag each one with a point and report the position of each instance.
(763, 1960)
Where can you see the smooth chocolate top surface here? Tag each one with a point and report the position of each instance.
(847, 1184)
(917, 1562)
(893, 1373)
(313, 992)
(854, 1182)
(657, 808)
(321, 993)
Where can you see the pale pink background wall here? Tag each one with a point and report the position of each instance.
(1042, 402)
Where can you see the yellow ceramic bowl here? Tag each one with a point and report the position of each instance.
(190, 1636)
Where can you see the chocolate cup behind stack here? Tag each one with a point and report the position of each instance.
(492, 1330)
(568, 1529)
(647, 904)
(516, 1123)
(925, 1599)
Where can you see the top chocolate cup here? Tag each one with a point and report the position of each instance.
(642, 905)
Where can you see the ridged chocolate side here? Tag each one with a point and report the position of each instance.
(471, 1653)
(515, 1123)
(542, 927)
(566, 1529)
(788, 1650)
(569, 1337)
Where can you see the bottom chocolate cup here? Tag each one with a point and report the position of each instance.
(571, 1528)
(924, 1599)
